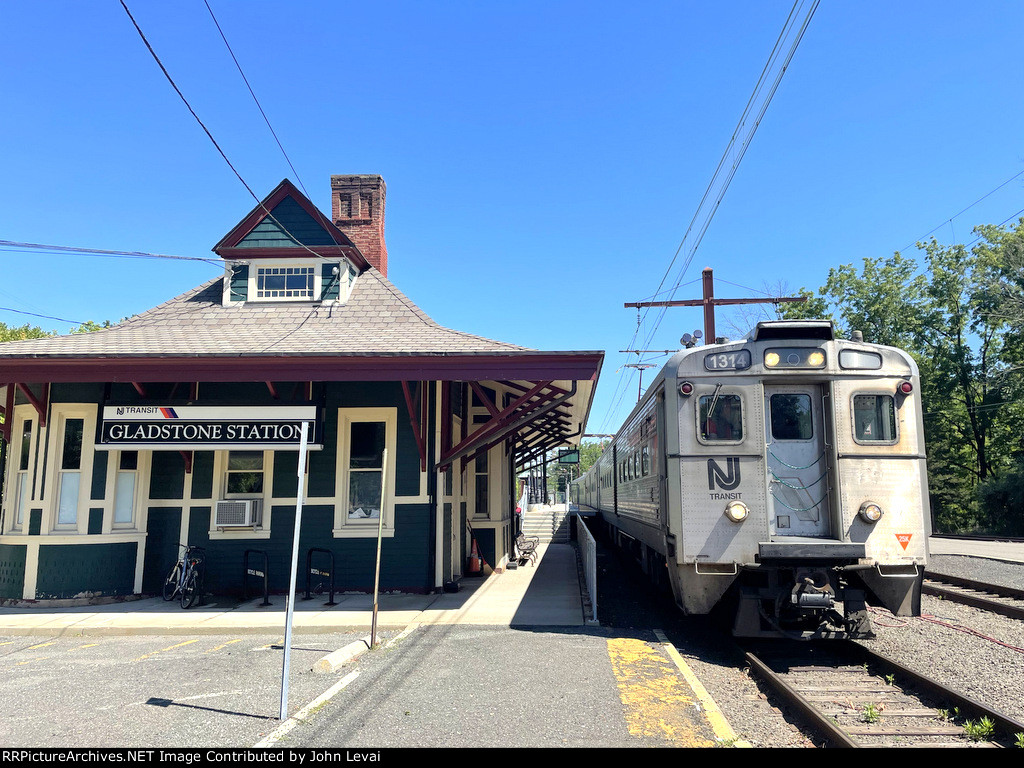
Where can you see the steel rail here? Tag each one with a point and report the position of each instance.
(824, 726)
(1006, 724)
(975, 601)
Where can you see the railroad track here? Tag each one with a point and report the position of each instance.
(989, 597)
(852, 697)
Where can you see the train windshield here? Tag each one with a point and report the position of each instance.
(874, 419)
(721, 417)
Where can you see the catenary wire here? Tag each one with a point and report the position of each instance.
(787, 27)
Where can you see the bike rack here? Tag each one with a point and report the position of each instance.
(309, 572)
(251, 571)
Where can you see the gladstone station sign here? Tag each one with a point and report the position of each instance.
(132, 427)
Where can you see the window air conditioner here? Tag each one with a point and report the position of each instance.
(239, 513)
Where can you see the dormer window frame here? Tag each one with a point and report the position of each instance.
(346, 277)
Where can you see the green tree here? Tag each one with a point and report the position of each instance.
(22, 332)
(961, 315)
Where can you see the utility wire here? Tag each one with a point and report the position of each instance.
(253, 94)
(210, 135)
(45, 317)
(14, 246)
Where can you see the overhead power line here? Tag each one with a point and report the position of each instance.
(742, 135)
(12, 245)
(209, 135)
(253, 94)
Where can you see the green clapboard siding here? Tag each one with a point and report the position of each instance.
(238, 289)
(287, 218)
(405, 562)
(12, 570)
(330, 282)
(86, 570)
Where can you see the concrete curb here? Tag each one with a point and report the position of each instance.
(332, 662)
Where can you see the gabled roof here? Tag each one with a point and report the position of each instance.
(285, 223)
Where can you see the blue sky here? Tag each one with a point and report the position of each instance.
(543, 160)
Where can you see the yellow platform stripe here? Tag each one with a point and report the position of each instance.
(658, 702)
(718, 722)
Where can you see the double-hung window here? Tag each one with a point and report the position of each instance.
(23, 477)
(244, 473)
(480, 485)
(366, 470)
(124, 489)
(70, 474)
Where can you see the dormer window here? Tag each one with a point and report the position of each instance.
(285, 282)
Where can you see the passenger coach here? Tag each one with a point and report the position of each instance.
(782, 476)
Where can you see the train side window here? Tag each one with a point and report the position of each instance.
(791, 417)
(874, 419)
(721, 417)
(645, 460)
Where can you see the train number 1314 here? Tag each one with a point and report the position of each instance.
(728, 361)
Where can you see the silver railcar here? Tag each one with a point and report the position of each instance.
(782, 476)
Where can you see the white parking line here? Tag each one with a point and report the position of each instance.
(302, 714)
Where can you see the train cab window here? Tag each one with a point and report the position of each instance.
(791, 417)
(874, 419)
(721, 417)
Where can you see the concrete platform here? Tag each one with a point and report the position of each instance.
(547, 594)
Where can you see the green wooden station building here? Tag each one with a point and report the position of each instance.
(180, 425)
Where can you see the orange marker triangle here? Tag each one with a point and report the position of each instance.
(903, 539)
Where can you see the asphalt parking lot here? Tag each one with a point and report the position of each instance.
(154, 691)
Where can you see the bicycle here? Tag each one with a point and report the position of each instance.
(185, 579)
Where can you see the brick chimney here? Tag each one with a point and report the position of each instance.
(357, 209)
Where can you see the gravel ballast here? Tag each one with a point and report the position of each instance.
(979, 654)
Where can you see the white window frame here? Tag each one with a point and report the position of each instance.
(346, 277)
(19, 498)
(264, 493)
(60, 414)
(258, 267)
(220, 493)
(115, 483)
(343, 526)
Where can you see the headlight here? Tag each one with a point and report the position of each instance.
(870, 512)
(736, 511)
(771, 359)
(816, 359)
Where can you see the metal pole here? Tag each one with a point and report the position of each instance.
(380, 534)
(294, 575)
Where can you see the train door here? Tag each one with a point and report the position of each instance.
(796, 456)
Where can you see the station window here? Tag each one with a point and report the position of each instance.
(285, 282)
(70, 478)
(721, 417)
(124, 489)
(480, 484)
(23, 482)
(874, 419)
(244, 473)
(366, 441)
(791, 417)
